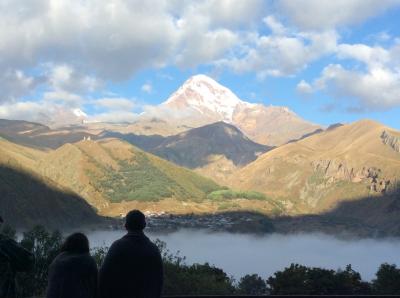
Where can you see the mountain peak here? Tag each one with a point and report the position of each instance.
(206, 95)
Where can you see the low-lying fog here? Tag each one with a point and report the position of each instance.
(239, 254)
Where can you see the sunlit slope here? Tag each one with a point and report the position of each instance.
(17, 155)
(113, 171)
(313, 174)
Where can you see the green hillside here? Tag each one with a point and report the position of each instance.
(114, 171)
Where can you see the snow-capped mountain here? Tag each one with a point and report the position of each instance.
(207, 96)
(79, 113)
(210, 102)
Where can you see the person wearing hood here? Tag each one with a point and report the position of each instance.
(73, 273)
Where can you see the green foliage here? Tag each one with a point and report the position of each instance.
(252, 285)
(99, 254)
(302, 280)
(226, 194)
(9, 231)
(196, 279)
(144, 179)
(387, 280)
(227, 205)
(45, 246)
(136, 180)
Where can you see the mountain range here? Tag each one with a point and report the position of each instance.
(203, 150)
(315, 173)
(205, 101)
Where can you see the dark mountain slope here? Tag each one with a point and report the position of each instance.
(193, 148)
(26, 200)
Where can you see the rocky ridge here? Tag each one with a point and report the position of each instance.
(391, 140)
(335, 170)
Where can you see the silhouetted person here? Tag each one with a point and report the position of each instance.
(13, 258)
(133, 265)
(73, 273)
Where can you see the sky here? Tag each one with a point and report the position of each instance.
(328, 61)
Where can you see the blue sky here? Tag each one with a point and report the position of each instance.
(329, 61)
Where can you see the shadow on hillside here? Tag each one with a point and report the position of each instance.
(194, 150)
(366, 217)
(144, 142)
(26, 200)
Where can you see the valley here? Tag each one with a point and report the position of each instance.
(201, 152)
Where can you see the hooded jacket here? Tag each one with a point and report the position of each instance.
(72, 275)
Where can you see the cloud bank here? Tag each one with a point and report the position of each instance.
(62, 54)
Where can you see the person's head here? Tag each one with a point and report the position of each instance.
(76, 243)
(135, 221)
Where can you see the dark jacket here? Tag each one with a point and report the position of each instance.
(72, 275)
(13, 258)
(132, 268)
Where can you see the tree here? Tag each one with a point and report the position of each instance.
(301, 280)
(45, 246)
(349, 282)
(387, 280)
(196, 279)
(252, 285)
(290, 281)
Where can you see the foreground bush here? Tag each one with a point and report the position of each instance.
(302, 280)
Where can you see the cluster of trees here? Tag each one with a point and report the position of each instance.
(233, 194)
(143, 179)
(205, 279)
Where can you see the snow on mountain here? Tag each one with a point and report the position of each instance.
(205, 95)
(212, 102)
(79, 113)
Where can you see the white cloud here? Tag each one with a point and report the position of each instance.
(275, 26)
(65, 77)
(148, 88)
(304, 88)
(285, 52)
(115, 103)
(42, 112)
(115, 38)
(114, 117)
(371, 56)
(203, 47)
(15, 83)
(328, 14)
(75, 48)
(375, 86)
(229, 14)
(63, 98)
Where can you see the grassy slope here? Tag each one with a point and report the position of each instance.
(116, 171)
(287, 172)
(114, 176)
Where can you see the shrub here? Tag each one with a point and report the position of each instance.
(232, 194)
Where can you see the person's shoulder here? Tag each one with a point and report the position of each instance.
(88, 259)
(152, 246)
(118, 244)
